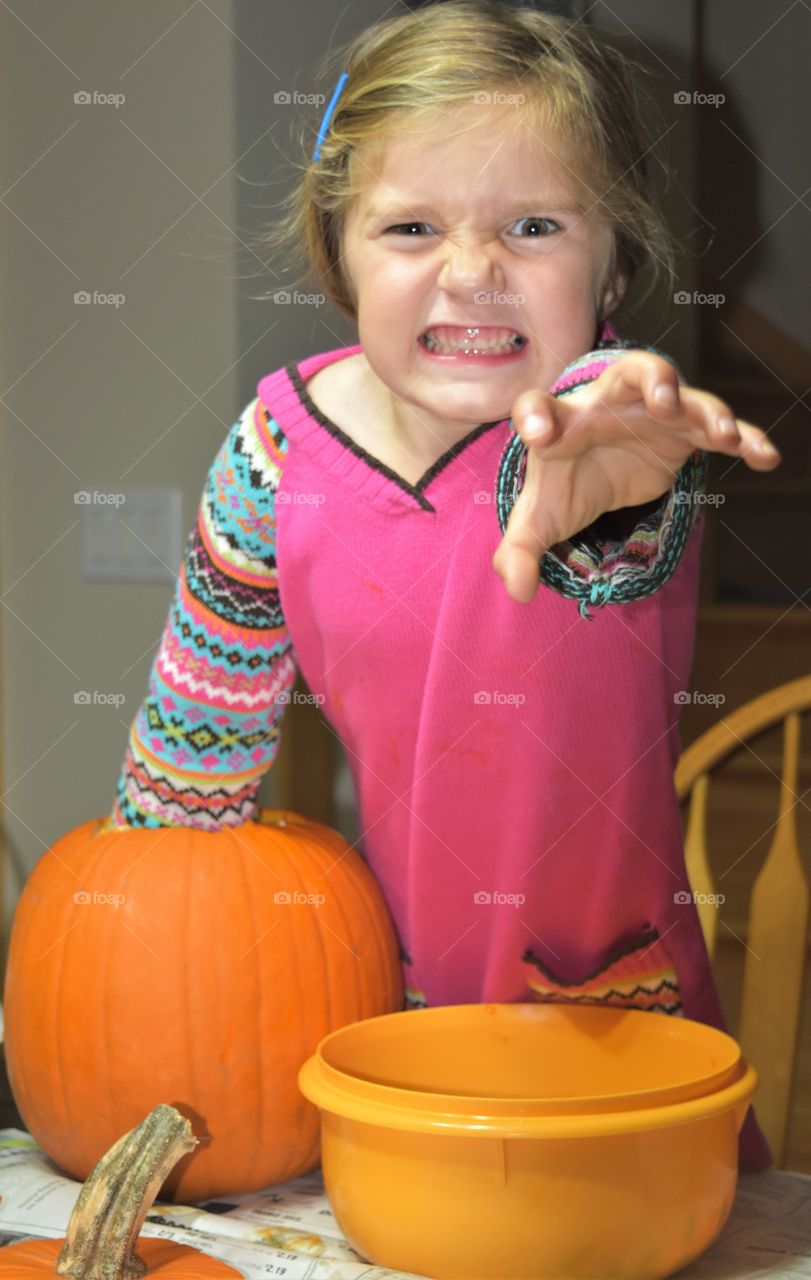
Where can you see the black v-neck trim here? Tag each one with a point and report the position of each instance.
(415, 490)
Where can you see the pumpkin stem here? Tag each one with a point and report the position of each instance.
(115, 1199)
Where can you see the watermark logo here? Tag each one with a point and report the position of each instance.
(482, 497)
(313, 699)
(96, 99)
(298, 497)
(685, 98)
(82, 898)
(699, 499)
(488, 697)
(483, 898)
(84, 299)
(96, 698)
(714, 899)
(695, 696)
(84, 498)
(682, 298)
(286, 899)
(484, 98)
(500, 299)
(287, 98)
(286, 297)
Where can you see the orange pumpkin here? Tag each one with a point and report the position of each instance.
(102, 1236)
(198, 967)
(36, 1259)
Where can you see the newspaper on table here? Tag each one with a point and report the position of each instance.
(289, 1231)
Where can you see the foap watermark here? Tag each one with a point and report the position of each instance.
(497, 98)
(84, 299)
(299, 498)
(286, 899)
(500, 299)
(682, 897)
(83, 899)
(696, 696)
(683, 298)
(482, 497)
(287, 696)
(97, 698)
(689, 98)
(484, 898)
(88, 498)
(292, 98)
(294, 297)
(700, 499)
(489, 697)
(84, 98)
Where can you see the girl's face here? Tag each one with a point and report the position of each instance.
(482, 230)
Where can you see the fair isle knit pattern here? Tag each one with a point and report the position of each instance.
(640, 976)
(208, 729)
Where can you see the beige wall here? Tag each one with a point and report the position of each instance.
(101, 398)
(97, 198)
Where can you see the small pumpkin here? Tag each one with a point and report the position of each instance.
(103, 1229)
(199, 967)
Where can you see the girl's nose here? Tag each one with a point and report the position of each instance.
(469, 268)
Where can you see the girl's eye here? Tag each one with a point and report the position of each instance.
(406, 226)
(547, 227)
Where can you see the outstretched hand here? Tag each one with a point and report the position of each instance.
(617, 442)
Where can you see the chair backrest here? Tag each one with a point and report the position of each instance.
(777, 931)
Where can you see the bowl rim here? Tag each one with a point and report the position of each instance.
(359, 1097)
(365, 1085)
(327, 1094)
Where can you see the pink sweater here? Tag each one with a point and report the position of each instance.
(513, 763)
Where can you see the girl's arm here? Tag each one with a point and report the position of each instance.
(208, 728)
(611, 526)
(614, 553)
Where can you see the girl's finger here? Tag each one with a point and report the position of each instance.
(751, 447)
(660, 387)
(537, 428)
(714, 418)
(537, 424)
(526, 538)
(707, 422)
(711, 424)
(517, 562)
(642, 375)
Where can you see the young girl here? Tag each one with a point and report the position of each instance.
(475, 532)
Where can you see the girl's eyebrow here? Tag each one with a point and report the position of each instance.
(526, 207)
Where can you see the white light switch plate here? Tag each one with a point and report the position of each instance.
(132, 535)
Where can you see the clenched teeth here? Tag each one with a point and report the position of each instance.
(472, 342)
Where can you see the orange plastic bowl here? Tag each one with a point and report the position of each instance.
(537, 1141)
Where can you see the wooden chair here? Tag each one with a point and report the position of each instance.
(778, 913)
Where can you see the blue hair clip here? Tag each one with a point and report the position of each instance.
(322, 132)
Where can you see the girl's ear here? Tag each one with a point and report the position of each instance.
(612, 294)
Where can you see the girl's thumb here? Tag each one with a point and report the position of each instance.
(538, 424)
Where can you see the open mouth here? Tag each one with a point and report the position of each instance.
(471, 341)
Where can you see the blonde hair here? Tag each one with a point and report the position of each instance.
(409, 68)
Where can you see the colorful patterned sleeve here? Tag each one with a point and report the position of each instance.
(209, 726)
(624, 555)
